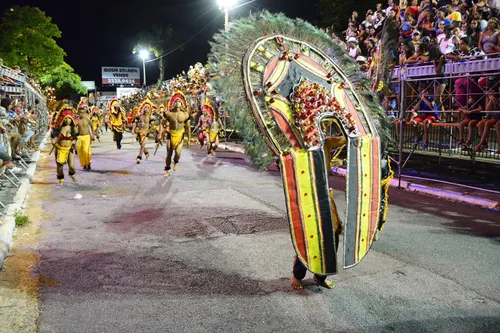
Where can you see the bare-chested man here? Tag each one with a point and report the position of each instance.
(203, 124)
(85, 138)
(178, 122)
(142, 127)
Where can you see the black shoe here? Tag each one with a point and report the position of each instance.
(84, 167)
(89, 167)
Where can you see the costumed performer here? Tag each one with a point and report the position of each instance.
(63, 139)
(85, 137)
(214, 126)
(177, 120)
(116, 119)
(292, 87)
(95, 120)
(203, 127)
(142, 127)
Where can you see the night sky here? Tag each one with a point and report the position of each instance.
(103, 33)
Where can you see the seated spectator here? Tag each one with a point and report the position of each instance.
(489, 41)
(471, 115)
(419, 56)
(353, 48)
(492, 120)
(403, 5)
(413, 9)
(440, 15)
(474, 33)
(379, 22)
(421, 114)
(406, 51)
(464, 50)
(449, 42)
(415, 38)
(6, 161)
(427, 25)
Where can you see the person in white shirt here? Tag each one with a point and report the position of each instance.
(447, 43)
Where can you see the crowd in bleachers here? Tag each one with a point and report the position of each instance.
(433, 32)
(21, 120)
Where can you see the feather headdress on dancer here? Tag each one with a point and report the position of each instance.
(209, 108)
(94, 109)
(145, 103)
(64, 112)
(82, 105)
(177, 96)
(114, 105)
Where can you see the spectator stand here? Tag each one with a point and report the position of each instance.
(475, 77)
(18, 86)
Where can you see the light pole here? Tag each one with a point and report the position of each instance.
(225, 6)
(144, 54)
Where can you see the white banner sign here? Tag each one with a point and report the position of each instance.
(121, 75)
(123, 92)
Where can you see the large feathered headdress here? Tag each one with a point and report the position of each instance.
(209, 108)
(177, 96)
(64, 112)
(82, 105)
(113, 105)
(145, 103)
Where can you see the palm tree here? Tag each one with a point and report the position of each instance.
(155, 41)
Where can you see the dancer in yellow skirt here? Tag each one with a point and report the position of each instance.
(63, 138)
(117, 120)
(142, 127)
(178, 122)
(95, 120)
(85, 138)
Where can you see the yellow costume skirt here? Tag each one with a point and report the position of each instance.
(83, 149)
(62, 154)
(176, 137)
(117, 128)
(212, 136)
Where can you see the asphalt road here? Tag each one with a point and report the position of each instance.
(208, 250)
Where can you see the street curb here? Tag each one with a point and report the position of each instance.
(405, 185)
(8, 225)
(435, 192)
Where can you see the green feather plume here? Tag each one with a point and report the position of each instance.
(225, 60)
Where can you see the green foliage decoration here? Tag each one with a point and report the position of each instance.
(225, 61)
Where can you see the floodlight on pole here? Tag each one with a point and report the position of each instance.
(144, 54)
(225, 6)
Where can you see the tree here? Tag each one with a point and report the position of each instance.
(64, 80)
(155, 40)
(27, 39)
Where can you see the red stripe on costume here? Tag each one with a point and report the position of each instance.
(294, 207)
(286, 128)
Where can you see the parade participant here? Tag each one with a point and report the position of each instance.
(203, 127)
(214, 126)
(95, 120)
(142, 127)
(85, 137)
(116, 118)
(280, 67)
(63, 139)
(177, 120)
